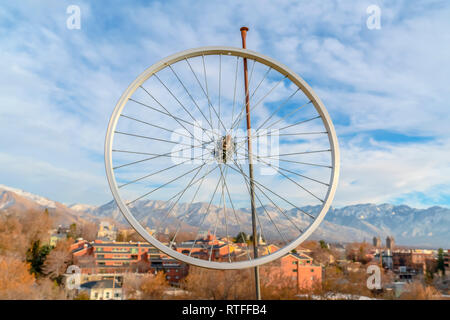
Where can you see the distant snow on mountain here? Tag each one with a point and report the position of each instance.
(410, 226)
(16, 201)
(35, 198)
(79, 207)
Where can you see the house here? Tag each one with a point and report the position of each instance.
(103, 289)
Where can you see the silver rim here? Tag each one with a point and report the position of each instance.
(273, 65)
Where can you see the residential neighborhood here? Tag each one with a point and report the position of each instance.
(105, 264)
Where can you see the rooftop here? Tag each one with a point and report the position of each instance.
(101, 284)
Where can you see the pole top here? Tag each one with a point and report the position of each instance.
(244, 29)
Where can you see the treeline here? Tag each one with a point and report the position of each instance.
(29, 267)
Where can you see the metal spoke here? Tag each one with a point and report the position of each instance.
(293, 223)
(240, 116)
(159, 155)
(206, 214)
(191, 184)
(278, 109)
(305, 189)
(298, 174)
(220, 79)
(151, 138)
(235, 86)
(206, 94)
(293, 134)
(264, 97)
(297, 123)
(279, 120)
(273, 192)
(306, 163)
(190, 204)
(293, 161)
(172, 116)
(206, 85)
(190, 96)
(154, 125)
(163, 185)
(224, 210)
(296, 153)
(179, 102)
(181, 194)
(235, 215)
(263, 206)
(152, 174)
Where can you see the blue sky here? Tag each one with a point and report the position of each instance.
(386, 90)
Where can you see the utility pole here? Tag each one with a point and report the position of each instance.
(250, 165)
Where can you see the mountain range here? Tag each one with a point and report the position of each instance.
(409, 226)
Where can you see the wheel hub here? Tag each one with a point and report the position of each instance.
(225, 149)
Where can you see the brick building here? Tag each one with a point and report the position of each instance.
(297, 267)
(108, 257)
(415, 259)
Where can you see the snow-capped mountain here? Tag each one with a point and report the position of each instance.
(78, 207)
(17, 201)
(428, 227)
(409, 226)
(41, 201)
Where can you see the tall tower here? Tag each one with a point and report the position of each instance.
(377, 242)
(390, 243)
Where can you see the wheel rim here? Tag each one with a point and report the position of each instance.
(224, 52)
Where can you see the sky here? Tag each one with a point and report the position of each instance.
(386, 89)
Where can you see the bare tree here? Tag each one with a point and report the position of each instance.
(419, 291)
(58, 259)
(145, 286)
(88, 231)
(218, 284)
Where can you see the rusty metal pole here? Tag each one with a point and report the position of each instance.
(250, 166)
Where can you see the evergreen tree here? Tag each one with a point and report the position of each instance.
(440, 261)
(241, 237)
(36, 256)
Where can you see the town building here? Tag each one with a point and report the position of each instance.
(57, 235)
(386, 257)
(376, 242)
(410, 263)
(103, 289)
(116, 258)
(107, 231)
(297, 267)
(390, 243)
